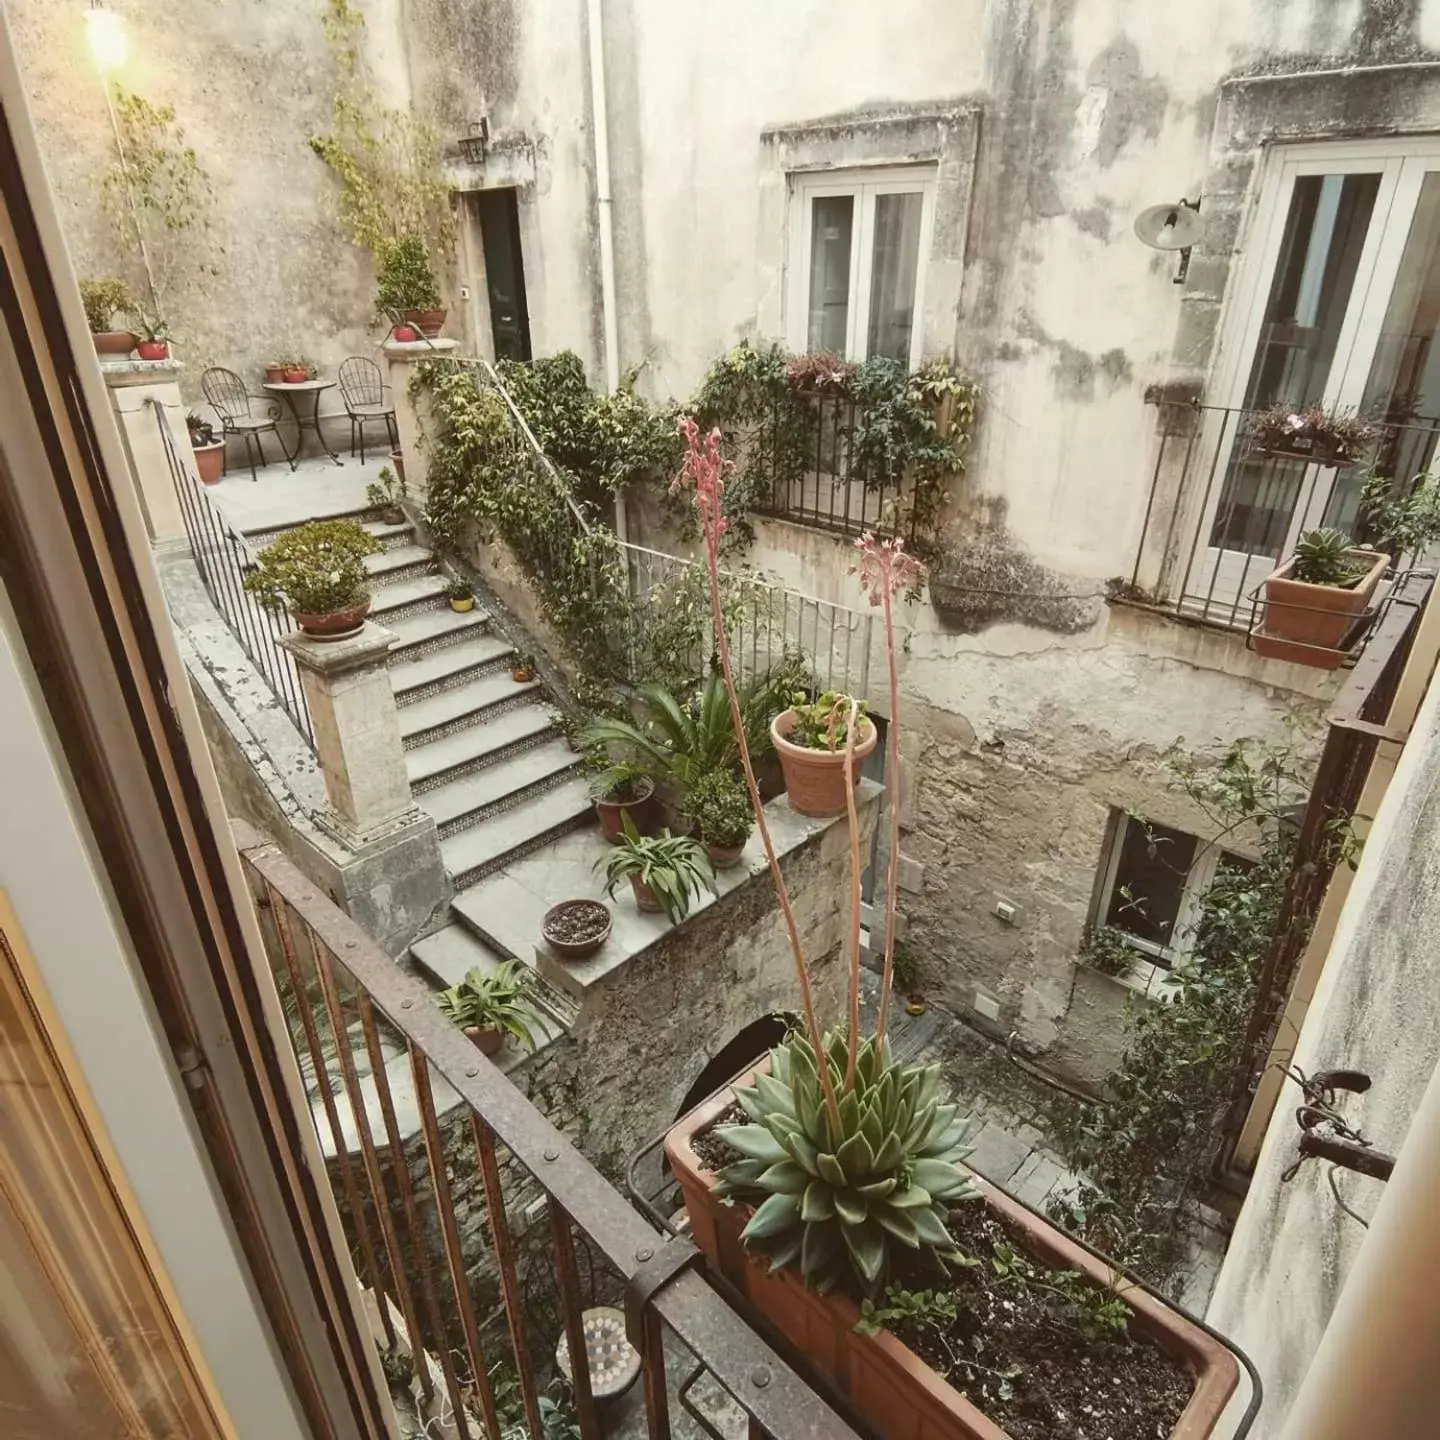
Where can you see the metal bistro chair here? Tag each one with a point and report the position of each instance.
(225, 392)
(363, 392)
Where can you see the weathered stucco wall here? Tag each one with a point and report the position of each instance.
(1377, 1009)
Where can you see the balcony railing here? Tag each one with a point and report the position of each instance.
(1224, 510)
(446, 1177)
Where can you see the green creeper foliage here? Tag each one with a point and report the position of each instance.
(836, 1197)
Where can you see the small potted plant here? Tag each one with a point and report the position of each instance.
(384, 494)
(810, 739)
(621, 791)
(488, 1005)
(576, 929)
(1310, 433)
(404, 334)
(103, 301)
(296, 371)
(720, 807)
(154, 341)
(317, 571)
(1314, 599)
(274, 372)
(522, 667)
(405, 284)
(209, 452)
(461, 595)
(665, 871)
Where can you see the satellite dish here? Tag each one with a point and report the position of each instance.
(1169, 227)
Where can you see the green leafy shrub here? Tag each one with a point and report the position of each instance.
(824, 723)
(719, 804)
(1403, 520)
(104, 300)
(673, 867)
(1321, 559)
(836, 1196)
(1107, 950)
(500, 998)
(315, 569)
(404, 277)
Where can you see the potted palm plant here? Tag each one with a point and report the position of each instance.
(811, 738)
(317, 572)
(103, 301)
(209, 452)
(720, 808)
(488, 1005)
(1315, 598)
(621, 791)
(828, 1186)
(665, 871)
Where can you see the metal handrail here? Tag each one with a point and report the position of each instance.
(334, 971)
(222, 558)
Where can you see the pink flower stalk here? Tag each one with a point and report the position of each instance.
(705, 468)
(885, 571)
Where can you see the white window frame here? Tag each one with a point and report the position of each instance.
(1145, 974)
(865, 185)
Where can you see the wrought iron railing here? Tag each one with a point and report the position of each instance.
(1223, 509)
(445, 1174)
(222, 559)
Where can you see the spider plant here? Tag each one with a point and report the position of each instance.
(496, 999)
(671, 867)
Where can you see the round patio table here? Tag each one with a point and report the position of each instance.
(294, 397)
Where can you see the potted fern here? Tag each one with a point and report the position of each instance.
(489, 1005)
(827, 1184)
(665, 871)
(621, 791)
(1315, 598)
(317, 572)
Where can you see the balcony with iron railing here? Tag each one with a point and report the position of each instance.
(1225, 509)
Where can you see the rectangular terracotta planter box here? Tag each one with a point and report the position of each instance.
(1303, 622)
(890, 1385)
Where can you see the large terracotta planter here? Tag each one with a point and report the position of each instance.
(815, 779)
(210, 461)
(337, 625)
(639, 811)
(428, 322)
(888, 1383)
(113, 342)
(1307, 623)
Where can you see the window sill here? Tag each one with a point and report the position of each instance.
(1143, 978)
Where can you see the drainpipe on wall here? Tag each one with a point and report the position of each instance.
(595, 23)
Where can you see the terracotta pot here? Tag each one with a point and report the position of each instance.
(462, 607)
(575, 949)
(428, 322)
(392, 515)
(769, 777)
(295, 377)
(404, 334)
(488, 1038)
(338, 625)
(153, 349)
(815, 779)
(520, 675)
(1308, 623)
(274, 374)
(210, 461)
(901, 1395)
(113, 342)
(724, 857)
(639, 810)
(645, 898)
(397, 460)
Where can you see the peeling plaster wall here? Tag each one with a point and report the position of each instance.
(1377, 1009)
(249, 80)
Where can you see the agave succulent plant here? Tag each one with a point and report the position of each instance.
(836, 1190)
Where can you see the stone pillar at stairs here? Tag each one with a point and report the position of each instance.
(133, 386)
(371, 812)
(400, 361)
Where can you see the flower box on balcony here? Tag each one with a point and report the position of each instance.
(886, 1381)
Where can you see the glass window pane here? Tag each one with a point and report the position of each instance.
(892, 274)
(832, 229)
(1150, 881)
(1310, 291)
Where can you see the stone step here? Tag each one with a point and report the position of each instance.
(399, 562)
(504, 916)
(481, 653)
(406, 595)
(390, 536)
(260, 529)
(432, 629)
(466, 751)
(483, 848)
(462, 802)
(472, 703)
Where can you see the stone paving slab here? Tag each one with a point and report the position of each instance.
(996, 1153)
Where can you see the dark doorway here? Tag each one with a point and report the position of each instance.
(755, 1040)
(499, 212)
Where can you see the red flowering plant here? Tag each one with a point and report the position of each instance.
(846, 1154)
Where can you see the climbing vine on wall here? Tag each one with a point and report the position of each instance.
(1150, 1145)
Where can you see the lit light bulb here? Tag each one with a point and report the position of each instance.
(106, 34)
